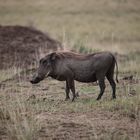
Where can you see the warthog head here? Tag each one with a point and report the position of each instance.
(45, 68)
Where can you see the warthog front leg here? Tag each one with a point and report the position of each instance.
(67, 91)
(72, 87)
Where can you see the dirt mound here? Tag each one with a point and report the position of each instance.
(23, 46)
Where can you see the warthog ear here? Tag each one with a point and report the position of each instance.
(53, 56)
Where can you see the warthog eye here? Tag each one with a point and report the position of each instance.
(44, 61)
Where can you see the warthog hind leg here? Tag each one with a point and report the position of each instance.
(102, 88)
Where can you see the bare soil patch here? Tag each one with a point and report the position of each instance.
(96, 124)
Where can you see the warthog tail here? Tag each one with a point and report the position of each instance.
(116, 70)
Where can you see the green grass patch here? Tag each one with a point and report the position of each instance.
(88, 89)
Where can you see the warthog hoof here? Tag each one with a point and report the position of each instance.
(67, 98)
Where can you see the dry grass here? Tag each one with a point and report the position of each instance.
(103, 21)
(28, 112)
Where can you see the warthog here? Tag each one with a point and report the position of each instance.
(68, 66)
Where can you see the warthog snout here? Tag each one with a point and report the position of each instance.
(36, 79)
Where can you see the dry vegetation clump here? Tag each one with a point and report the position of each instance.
(22, 46)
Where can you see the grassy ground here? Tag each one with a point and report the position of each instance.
(39, 112)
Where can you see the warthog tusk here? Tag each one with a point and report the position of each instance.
(47, 73)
